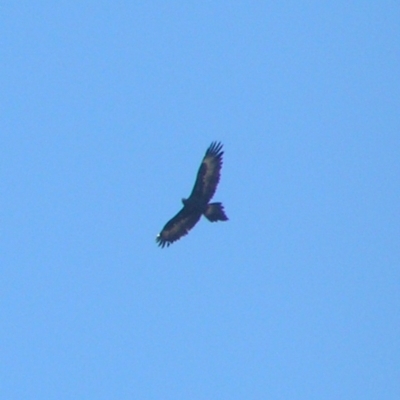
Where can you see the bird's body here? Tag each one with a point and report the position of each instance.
(198, 203)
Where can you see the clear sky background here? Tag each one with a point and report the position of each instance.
(107, 108)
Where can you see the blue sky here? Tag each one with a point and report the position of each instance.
(106, 111)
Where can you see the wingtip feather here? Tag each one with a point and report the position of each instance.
(215, 149)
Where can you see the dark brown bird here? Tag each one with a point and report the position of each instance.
(198, 203)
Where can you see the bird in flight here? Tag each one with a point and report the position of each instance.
(198, 203)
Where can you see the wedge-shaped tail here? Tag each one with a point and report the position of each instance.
(215, 212)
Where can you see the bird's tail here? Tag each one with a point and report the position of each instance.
(215, 212)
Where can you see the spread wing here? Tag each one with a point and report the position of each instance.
(209, 173)
(178, 226)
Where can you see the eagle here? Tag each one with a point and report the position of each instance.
(198, 203)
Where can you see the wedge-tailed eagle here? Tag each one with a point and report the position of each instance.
(198, 203)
